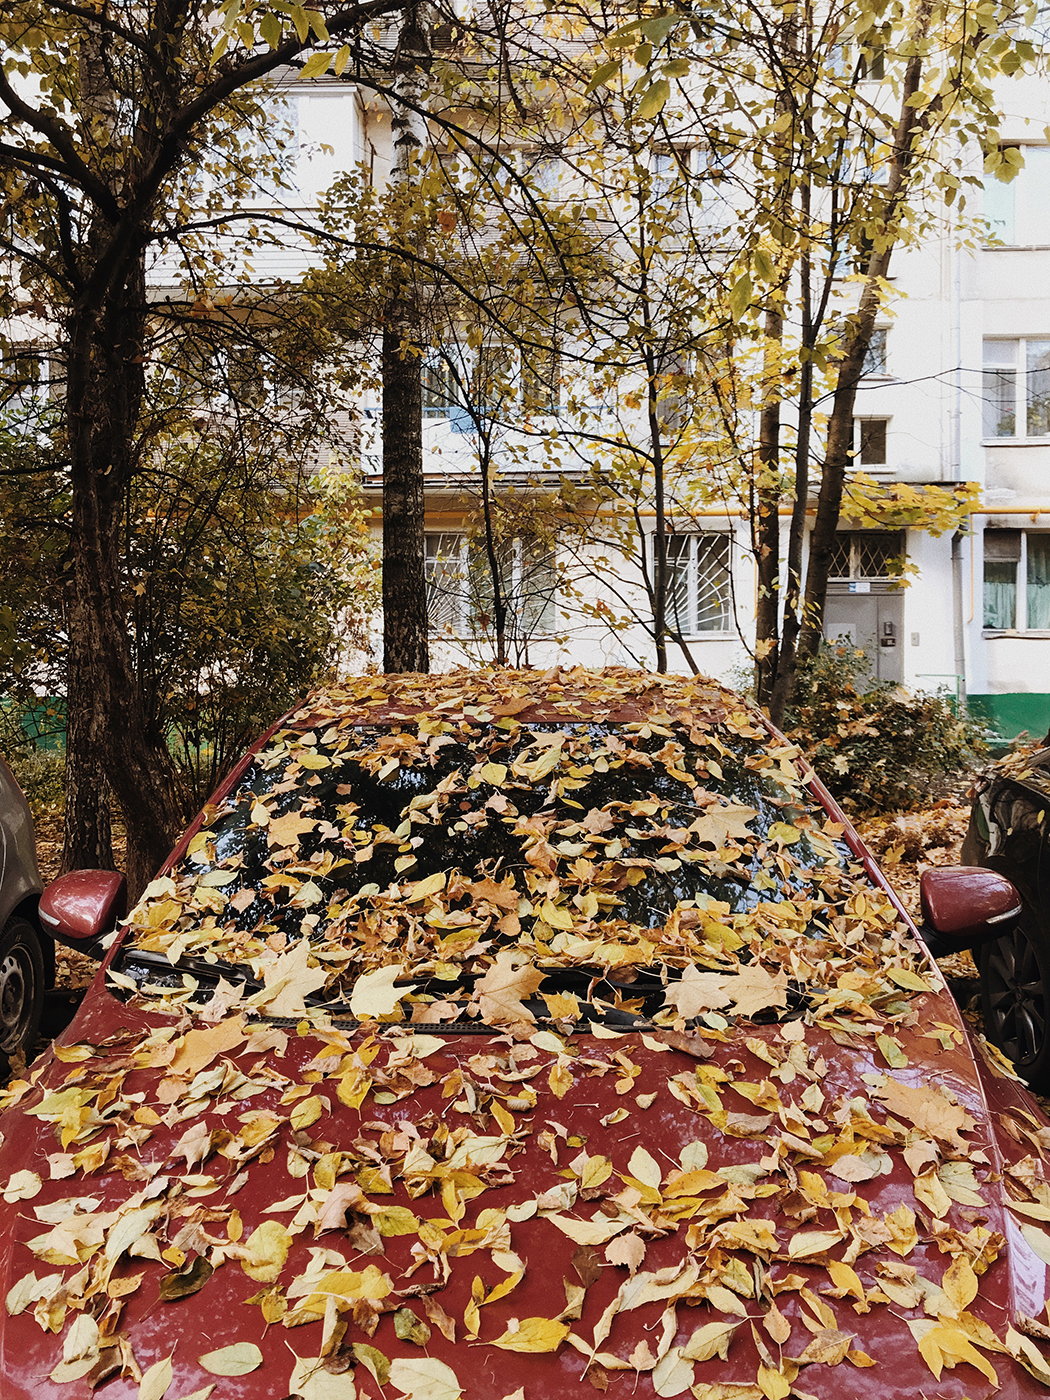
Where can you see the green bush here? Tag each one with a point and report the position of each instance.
(879, 747)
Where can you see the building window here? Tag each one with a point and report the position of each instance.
(1018, 211)
(1016, 388)
(867, 554)
(698, 593)
(460, 593)
(869, 442)
(440, 391)
(1016, 580)
(875, 356)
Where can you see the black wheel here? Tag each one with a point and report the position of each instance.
(1015, 973)
(21, 988)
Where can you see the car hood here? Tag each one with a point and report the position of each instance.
(286, 1209)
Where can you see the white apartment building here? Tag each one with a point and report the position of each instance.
(958, 390)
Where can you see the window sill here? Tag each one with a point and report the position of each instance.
(1028, 634)
(691, 637)
(1043, 441)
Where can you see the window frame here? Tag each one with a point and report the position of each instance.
(1022, 585)
(693, 630)
(469, 568)
(1024, 402)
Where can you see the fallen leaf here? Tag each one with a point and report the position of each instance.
(424, 1378)
(499, 993)
(375, 995)
(235, 1360)
(533, 1334)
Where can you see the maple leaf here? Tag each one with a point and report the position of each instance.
(499, 993)
(697, 991)
(754, 989)
(289, 981)
(719, 824)
(285, 831)
(374, 994)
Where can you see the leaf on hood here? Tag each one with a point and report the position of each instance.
(500, 992)
(285, 831)
(723, 823)
(596, 1231)
(155, 1380)
(267, 1247)
(928, 1109)
(626, 1250)
(533, 1334)
(235, 1360)
(199, 1048)
(187, 1281)
(22, 1186)
(944, 1344)
(310, 1381)
(424, 1378)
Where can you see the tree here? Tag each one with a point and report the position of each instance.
(102, 112)
(839, 182)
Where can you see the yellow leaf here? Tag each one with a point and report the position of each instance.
(505, 1119)
(960, 1283)
(493, 773)
(555, 914)
(235, 1360)
(268, 1244)
(306, 1112)
(155, 1380)
(310, 1381)
(773, 1384)
(560, 1080)
(375, 995)
(395, 1220)
(534, 1334)
(424, 1378)
(891, 1051)
(422, 889)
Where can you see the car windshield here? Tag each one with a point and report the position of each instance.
(489, 868)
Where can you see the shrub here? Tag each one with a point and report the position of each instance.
(877, 746)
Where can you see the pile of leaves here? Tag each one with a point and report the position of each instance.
(273, 1123)
(879, 747)
(614, 846)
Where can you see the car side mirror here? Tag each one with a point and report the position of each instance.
(966, 905)
(78, 908)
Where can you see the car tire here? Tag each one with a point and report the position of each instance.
(1015, 979)
(21, 989)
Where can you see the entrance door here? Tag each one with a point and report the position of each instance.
(874, 622)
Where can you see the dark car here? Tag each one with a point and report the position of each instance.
(510, 1035)
(1009, 832)
(27, 960)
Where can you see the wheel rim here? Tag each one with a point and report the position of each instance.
(16, 997)
(1016, 1000)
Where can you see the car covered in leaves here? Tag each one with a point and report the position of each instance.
(523, 1035)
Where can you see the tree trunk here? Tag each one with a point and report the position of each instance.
(107, 730)
(404, 545)
(404, 569)
(840, 424)
(766, 523)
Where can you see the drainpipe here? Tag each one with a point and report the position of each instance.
(957, 618)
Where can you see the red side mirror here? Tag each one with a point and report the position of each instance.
(80, 907)
(968, 905)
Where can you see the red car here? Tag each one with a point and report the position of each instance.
(514, 1035)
